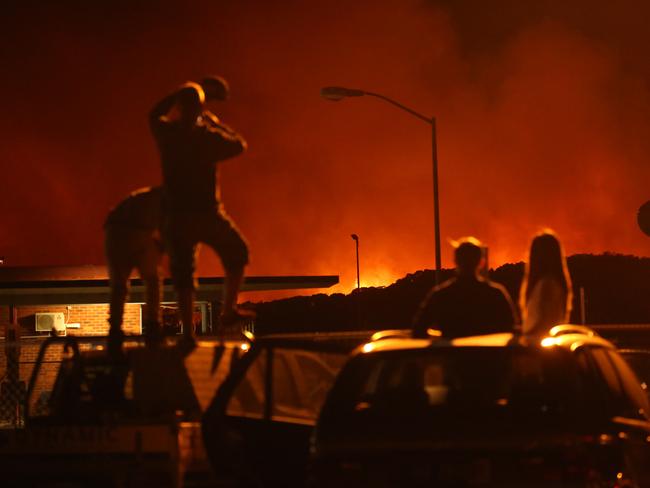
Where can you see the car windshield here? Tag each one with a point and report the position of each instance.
(446, 387)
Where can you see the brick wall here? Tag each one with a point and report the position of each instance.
(49, 368)
(4, 319)
(29, 349)
(93, 319)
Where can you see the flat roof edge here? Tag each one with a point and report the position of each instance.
(50, 292)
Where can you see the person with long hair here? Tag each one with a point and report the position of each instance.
(545, 297)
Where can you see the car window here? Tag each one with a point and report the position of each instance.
(248, 397)
(607, 370)
(319, 371)
(457, 386)
(285, 390)
(583, 362)
(631, 385)
(301, 380)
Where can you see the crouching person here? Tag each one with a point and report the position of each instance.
(132, 241)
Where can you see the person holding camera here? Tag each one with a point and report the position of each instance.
(191, 141)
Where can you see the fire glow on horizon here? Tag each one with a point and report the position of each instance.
(543, 120)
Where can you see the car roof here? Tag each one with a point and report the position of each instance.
(576, 341)
(337, 342)
(570, 341)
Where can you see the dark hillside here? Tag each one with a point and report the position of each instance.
(616, 288)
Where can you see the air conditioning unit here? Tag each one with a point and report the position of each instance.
(46, 322)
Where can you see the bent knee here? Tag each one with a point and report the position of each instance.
(236, 257)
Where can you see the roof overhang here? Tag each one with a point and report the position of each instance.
(93, 291)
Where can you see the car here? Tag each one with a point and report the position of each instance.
(256, 431)
(91, 419)
(500, 410)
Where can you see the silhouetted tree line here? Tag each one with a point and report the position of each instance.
(616, 289)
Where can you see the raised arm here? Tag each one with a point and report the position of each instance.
(162, 108)
(212, 121)
(222, 142)
(189, 96)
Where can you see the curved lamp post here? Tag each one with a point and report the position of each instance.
(337, 93)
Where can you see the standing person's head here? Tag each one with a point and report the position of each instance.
(546, 260)
(215, 88)
(189, 103)
(468, 256)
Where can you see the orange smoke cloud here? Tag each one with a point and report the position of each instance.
(544, 124)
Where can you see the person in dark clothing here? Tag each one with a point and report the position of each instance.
(467, 304)
(191, 141)
(132, 241)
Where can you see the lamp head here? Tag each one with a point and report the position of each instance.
(643, 218)
(336, 93)
(355, 237)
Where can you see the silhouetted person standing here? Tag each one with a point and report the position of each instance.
(191, 141)
(467, 304)
(132, 241)
(545, 297)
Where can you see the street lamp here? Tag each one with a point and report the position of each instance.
(337, 93)
(356, 239)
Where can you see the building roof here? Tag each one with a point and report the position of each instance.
(58, 285)
(52, 273)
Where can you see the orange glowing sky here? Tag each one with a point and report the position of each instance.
(543, 120)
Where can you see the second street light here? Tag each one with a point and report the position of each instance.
(356, 240)
(336, 93)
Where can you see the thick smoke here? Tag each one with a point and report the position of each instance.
(542, 121)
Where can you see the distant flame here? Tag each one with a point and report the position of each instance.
(378, 277)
